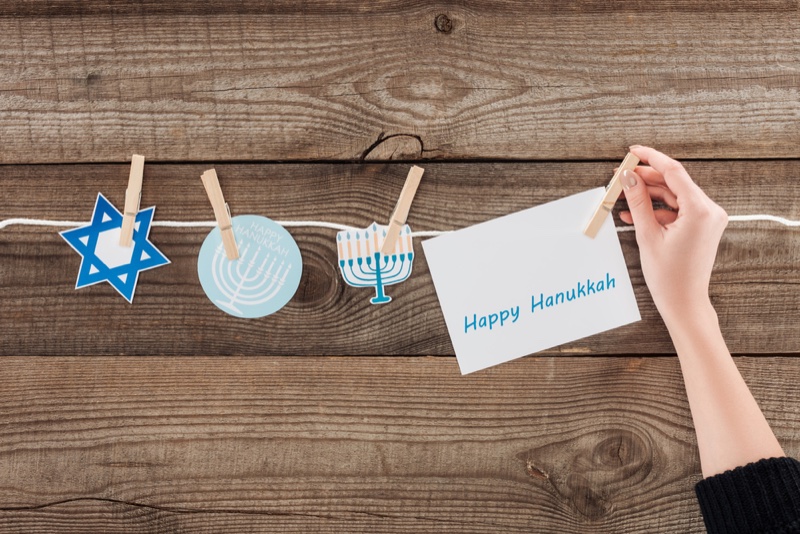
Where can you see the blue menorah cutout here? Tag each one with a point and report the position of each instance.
(363, 265)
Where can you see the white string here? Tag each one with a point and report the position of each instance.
(37, 222)
(335, 226)
(763, 217)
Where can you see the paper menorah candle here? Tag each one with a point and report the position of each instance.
(363, 265)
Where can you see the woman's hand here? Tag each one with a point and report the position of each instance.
(677, 246)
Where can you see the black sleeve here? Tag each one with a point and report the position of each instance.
(760, 497)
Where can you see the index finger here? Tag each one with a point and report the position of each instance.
(673, 172)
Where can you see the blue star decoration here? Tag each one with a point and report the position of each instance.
(103, 257)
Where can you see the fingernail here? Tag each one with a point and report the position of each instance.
(628, 179)
(635, 146)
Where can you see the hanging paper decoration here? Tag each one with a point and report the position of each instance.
(104, 259)
(263, 278)
(363, 265)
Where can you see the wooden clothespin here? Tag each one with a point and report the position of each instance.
(610, 198)
(401, 210)
(221, 212)
(133, 195)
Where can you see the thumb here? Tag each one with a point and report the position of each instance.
(639, 204)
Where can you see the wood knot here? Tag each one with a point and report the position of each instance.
(443, 23)
(535, 471)
(623, 449)
(316, 290)
(586, 498)
(591, 469)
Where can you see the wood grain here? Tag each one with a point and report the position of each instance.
(97, 81)
(271, 444)
(753, 287)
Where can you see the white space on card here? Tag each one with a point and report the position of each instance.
(530, 281)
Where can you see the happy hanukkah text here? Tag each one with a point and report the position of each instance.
(265, 237)
(539, 302)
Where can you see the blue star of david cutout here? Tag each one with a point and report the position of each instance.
(104, 259)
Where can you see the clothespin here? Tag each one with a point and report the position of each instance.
(221, 212)
(613, 190)
(133, 195)
(401, 209)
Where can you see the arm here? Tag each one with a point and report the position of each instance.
(731, 430)
(678, 248)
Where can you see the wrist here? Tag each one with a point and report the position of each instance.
(695, 328)
(689, 314)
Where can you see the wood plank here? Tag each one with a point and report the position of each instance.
(211, 444)
(69, 8)
(97, 81)
(753, 286)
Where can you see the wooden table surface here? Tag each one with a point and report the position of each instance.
(333, 415)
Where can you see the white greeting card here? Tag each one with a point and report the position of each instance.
(529, 281)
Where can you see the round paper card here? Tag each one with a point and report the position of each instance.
(263, 279)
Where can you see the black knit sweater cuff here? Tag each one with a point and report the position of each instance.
(759, 497)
